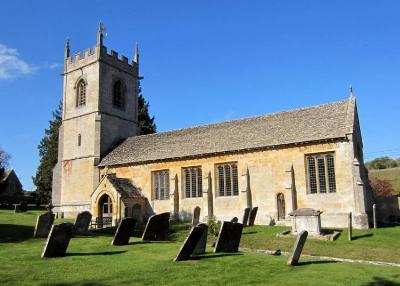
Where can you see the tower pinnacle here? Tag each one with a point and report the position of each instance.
(136, 54)
(66, 49)
(351, 90)
(100, 35)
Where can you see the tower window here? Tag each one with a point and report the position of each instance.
(81, 96)
(79, 139)
(118, 96)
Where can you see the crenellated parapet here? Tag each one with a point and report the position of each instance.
(100, 53)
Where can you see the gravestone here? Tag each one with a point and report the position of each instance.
(43, 224)
(253, 215)
(246, 216)
(235, 219)
(195, 243)
(157, 227)
(229, 237)
(298, 248)
(196, 216)
(58, 240)
(82, 223)
(21, 207)
(137, 213)
(124, 231)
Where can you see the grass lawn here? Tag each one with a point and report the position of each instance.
(93, 261)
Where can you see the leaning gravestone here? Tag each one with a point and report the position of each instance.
(195, 243)
(82, 223)
(124, 231)
(253, 215)
(157, 227)
(245, 216)
(196, 216)
(229, 237)
(58, 240)
(298, 247)
(43, 224)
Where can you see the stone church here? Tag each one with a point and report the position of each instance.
(304, 158)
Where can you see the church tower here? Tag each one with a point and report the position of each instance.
(99, 111)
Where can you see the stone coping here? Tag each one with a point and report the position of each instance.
(305, 212)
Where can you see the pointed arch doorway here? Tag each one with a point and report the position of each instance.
(105, 206)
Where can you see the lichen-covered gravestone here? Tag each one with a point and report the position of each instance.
(246, 216)
(157, 227)
(298, 248)
(195, 243)
(43, 224)
(253, 215)
(229, 237)
(82, 223)
(124, 231)
(58, 240)
(196, 216)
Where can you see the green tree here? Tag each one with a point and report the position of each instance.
(382, 163)
(48, 153)
(146, 123)
(4, 158)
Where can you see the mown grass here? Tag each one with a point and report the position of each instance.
(93, 261)
(393, 175)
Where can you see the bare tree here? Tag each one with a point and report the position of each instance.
(4, 158)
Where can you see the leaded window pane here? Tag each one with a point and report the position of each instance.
(331, 173)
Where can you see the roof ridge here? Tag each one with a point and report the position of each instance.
(238, 119)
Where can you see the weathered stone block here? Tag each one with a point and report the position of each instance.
(58, 240)
(196, 216)
(82, 223)
(245, 216)
(43, 224)
(124, 231)
(157, 227)
(195, 243)
(298, 248)
(253, 215)
(229, 237)
(306, 219)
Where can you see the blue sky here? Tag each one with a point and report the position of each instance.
(206, 61)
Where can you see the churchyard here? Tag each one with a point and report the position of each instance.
(92, 260)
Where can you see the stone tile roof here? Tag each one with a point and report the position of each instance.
(125, 187)
(317, 123)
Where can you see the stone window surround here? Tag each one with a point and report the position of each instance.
(199, 183)
(327, 182)
(166, 185)
(123, 94)
(78, 101)
(232, 181)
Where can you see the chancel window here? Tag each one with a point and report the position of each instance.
(81, 95)
(227, 179)
(193, 184)
(118, 96)
(160, 183)
(321, 173)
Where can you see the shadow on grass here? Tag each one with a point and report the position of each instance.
(15, 233)
(96, 253)
(148, 241)
(379, 281)
(362, 236)
(215, 255)
(316, 262)
(250, 232)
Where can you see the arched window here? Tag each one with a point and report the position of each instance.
(280, 199)
(118, 95)
(81, 95)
